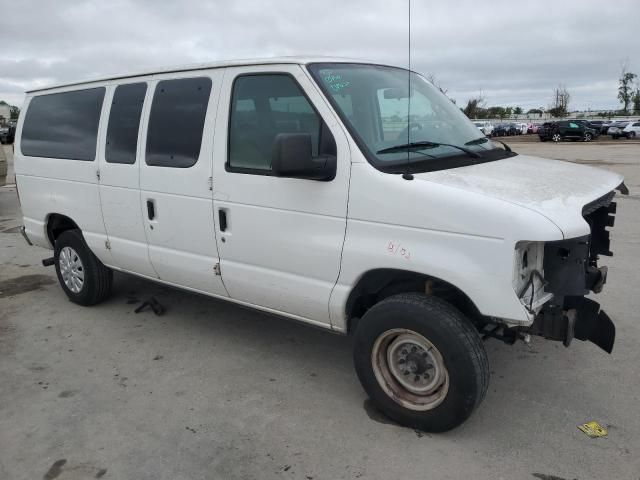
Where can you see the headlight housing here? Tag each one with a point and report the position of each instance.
(528, 275)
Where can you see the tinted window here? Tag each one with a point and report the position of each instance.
(124, 120)
(63, 125)
(263, 106)
(176, 122)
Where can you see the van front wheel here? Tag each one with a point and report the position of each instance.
(421, 362)
(84, 278)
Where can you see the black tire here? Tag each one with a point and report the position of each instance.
(588, 137)
(455, 339)
(97, 277)
(632, 135)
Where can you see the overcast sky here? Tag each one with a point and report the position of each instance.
(515, 51)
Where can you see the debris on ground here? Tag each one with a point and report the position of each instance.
(152, 303)
(593, 429)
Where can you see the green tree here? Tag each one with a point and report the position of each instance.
(14, 112)
(517, 111)
(625, 88)
(636, 101)
(496, 112)
(474, 107)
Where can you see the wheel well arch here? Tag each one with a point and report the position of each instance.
(57, 224)
(378, 284)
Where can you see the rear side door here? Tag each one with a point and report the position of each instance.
(575, 130)
(119, 157)
(280, 239)
(175, 179)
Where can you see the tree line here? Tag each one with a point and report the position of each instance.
(628, 96)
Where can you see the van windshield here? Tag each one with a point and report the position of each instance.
(374, 103)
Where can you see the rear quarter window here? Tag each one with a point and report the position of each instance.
(63, 125)
(124, 122)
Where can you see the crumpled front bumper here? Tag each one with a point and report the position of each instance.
(583, 321)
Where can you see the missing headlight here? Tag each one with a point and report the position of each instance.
(528, 279)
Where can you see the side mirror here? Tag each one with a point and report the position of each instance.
(292, 158)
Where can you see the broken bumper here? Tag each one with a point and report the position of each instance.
(584, 321)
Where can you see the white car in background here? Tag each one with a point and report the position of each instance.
(632, 130)
(485, 127)
(523, 127)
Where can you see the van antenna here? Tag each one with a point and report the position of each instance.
(407, 174)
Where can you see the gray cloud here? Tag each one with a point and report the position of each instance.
(515, 52)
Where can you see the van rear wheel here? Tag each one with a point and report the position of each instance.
(421, 362)
(84, 278)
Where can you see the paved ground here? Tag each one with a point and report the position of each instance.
(213, 391)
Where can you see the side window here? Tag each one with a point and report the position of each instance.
(63, 125)
(573, 125)
(124, 120)
(263, 106)
(178, 111)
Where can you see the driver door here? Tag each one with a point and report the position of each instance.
(280, 239)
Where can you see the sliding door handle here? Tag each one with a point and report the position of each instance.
(151, 209)
(222, 219)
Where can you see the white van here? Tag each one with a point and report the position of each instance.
(302, 187)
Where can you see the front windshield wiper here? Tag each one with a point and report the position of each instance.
(416, 146)
(485, 140)
(477, 141)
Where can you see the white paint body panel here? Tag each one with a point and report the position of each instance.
(120, 200)
(181, 237)
(299, 247)
(284, 238)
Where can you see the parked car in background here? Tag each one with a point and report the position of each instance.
(514, 129)
(597, 124)
(616, 128)
(500, 130)
(523, 128)
(588, 124)
(484, 127)
(605, 126)
(7, 134)
(565, 130)
(632, 130)
(533, 128)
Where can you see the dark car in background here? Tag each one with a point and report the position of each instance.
(7, 134)
(506, 130)
(565, 130)
(589, 124)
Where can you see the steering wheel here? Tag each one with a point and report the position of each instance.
(413, 126)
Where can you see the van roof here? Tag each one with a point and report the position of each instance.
(296, 60)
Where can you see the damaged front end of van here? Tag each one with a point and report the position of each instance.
(555, 294)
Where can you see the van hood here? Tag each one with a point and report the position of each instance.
(554, 188)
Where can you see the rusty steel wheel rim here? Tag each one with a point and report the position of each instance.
(410, 369)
